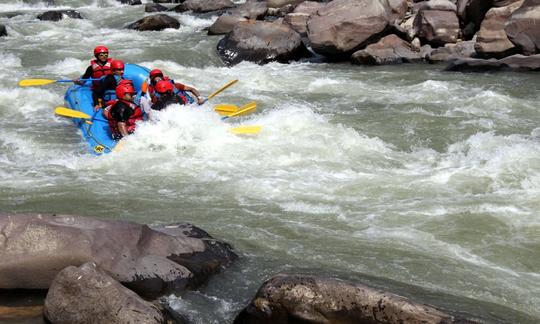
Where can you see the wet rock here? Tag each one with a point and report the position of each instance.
(517, 63)
(443, 5)
(261, 42)
(56, 15)
(155, 22)
(46, 2)
(252, 9)
(389, 50)
(131, 2)
(203, 6)
(282, 3)
(36, 247)
(492, 40)
(154, 7)
(167, 1)
(308, 299)
(3, 30)
(523, 27)
(344, 26)
(471, 14)
(450, 52)
(88, 295)
(299, 17)
(224, 24)
(437, 27)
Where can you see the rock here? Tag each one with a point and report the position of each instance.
(261, 42)
(34, 2)
(450, 52)
(167, 1)
(471, 13)
(523, 27)
(155, 22)
(389, 50)
(492, 40)
(299, 17)
(36, 247)
(308, 299)
(442, 5)
(56, 15)
(202, 6)
(3, 30)
(516, 63)
(437, 27)
(282, 3)
(154, 7)
(88, 295)
(344, 26)
(224, 24)
(131, 2)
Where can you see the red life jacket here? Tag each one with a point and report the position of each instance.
(99, 71)
(131, 122)
(155, 96)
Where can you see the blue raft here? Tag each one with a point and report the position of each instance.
(97, 133)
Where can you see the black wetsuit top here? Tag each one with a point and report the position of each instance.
(166, 100)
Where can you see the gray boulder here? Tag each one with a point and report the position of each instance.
(344, 26)
(131, 2)
(261, 42)
(56, 15)
(251, 9)
(36, 247)
(310, 300)
(450, 52)
(88, 295)
(154, 7)
(3, 30)
(282, 3)
(516, 63)
(523, 27)
(437, 27)
(203, 6)
(491, 40)
(389, 50)
(155, 22)
(299, 17)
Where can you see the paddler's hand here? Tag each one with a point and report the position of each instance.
(97, 107)
(200, 100)
(78, 81)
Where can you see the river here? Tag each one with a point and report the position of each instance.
(405, 178)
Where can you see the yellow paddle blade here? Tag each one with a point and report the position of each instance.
(225, 109)
(245, 109)
(35, 82)
(221, 89)
(255, 129)
(66, 112)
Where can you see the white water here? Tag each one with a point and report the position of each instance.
(391, 176)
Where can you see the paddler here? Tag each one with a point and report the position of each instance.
(106, 90)
(99, 67)
(123, 113)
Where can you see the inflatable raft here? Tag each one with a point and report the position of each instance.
(96, 131)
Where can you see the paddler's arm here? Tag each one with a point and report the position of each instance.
(200, 99)
(122, 128)
(87, 75)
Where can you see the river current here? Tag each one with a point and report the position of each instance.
(405, 178)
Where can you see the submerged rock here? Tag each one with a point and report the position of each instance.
(307, 299)
(56, 15)
(3, 30)
(154, 7)
(261, 42)
(155, 22)
(36, 247)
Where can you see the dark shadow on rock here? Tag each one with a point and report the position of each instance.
(56, 15)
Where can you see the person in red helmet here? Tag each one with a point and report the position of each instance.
(123, 113)
(99, 67)
(164, 91)
(151, 97)
(106, 90)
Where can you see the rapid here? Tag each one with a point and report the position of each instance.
(405, 178)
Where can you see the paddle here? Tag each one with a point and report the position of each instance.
(225, 109)
(66, 112)
(230, 83)
(245, 109)
(40, 82)
(241, 130)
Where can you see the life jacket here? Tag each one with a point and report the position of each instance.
(131, 122)
(110, 94)
(99, 71)
(184, 97)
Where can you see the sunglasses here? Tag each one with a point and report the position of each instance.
(103, 54)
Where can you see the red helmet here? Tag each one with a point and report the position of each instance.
(154, 73)
(164, 86)
(100, 49)
(117, 65)
(124, 88)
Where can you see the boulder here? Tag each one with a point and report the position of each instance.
(202, 6)
(249, 10)
(299, 17)
(224, 24)
(308, 299)
(34, 2)
(344, 26)
(389, 50)
(56, 15)
(155, 22)
(3, 30)
(450, 52)
(282, 3)
(516, 63)
(437, 27)
(523, 27)
(35, 247)
(154, 7)
(89, 295)
(443, 5)
(491, 40)
(261, 42)
(131, 2)
(167, 1)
